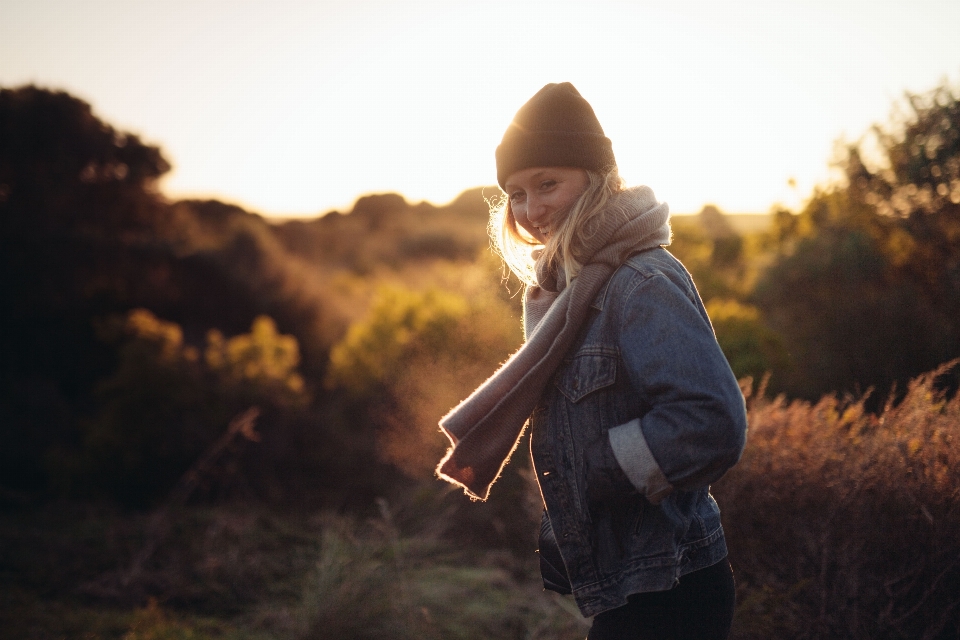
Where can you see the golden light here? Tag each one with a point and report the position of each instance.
(298, 107)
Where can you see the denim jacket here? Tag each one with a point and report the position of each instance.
(647, 379)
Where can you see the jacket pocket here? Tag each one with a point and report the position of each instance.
(588, 371)
(552, 569)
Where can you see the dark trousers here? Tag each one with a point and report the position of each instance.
(699, 608)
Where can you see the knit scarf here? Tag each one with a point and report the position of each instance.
(484, 429)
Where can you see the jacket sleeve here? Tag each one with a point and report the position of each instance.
(696, 426)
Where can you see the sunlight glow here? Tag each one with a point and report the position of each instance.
(297, 108)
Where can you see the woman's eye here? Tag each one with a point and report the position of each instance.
(547, 184)
(516, 195)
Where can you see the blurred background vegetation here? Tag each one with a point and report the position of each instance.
(141, 499)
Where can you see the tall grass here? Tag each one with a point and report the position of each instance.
(372, 582)
(241, 572)
(841, 523)
(846, 524)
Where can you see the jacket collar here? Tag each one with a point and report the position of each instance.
(601, 295)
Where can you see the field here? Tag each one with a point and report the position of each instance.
(219, 426)
(841, 523)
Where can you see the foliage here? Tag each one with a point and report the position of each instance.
(750, 347)
(262, 362)
(915, 190)
(68, 182)
(724, 265)
(62, 170)
(240, 573)
(61, 576)
(842, 523)
(413, 357)
(377, 351)
(384, 229)
(866, 290)
(86, 237)
(694, 248)
(153, 623)
(150, 425)
(163, 406)
(848, 323)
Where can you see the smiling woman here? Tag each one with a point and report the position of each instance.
(632, 407)
(540, 198)
(555, 127)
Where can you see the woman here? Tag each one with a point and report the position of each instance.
(632, 406)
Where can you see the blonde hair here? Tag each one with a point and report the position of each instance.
(564, 247)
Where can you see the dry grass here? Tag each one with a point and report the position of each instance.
(843, 523)
(239, 573)
(372, 582)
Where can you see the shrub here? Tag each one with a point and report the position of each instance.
(751, 348)
(843, 523)
(165, 404)
(415, 355)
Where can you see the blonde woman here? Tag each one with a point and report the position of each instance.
(632, 407)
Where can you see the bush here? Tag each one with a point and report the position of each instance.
(164, 404)
(751, 348)
(843, 523)
(415, 355)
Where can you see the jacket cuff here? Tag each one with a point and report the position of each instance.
(634, 456)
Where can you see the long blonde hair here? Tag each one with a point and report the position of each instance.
(564, 247)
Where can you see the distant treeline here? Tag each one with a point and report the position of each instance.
(132, 329)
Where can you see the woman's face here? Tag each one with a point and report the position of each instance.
(541, 196)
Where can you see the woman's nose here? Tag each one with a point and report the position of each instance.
(535, 209)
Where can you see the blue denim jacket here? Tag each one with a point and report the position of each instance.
(648, 379)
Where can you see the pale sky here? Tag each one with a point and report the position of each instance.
(289, 107)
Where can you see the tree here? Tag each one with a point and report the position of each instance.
(74, 193)
(84, 236)
(63, 169)
(866, 291)
(913, 190)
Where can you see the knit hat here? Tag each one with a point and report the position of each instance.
(555, 128)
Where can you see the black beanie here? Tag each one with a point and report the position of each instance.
(555, 128)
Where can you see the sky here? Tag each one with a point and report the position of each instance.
(294, 108)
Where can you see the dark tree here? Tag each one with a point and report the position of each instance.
(62, 170)
(74, 195)
(867, 288)
(85, 239)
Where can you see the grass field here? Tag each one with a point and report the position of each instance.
(841, 524)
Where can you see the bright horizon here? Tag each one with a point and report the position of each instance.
(293, 109)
